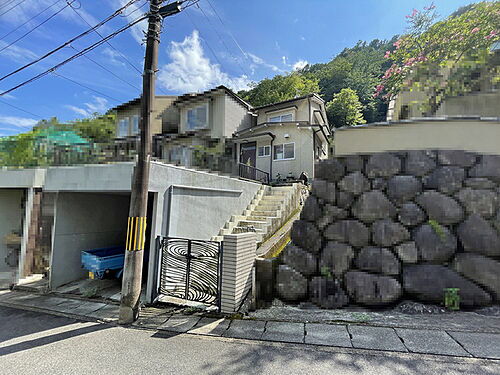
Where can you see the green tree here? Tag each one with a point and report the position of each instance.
(19, 150)
(345, 109)
(97, 128)
(446, 58)
(279, 88)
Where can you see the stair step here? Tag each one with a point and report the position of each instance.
(245, 230)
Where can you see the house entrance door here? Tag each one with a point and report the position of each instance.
(248, 154)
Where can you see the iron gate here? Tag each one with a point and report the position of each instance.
(191, 269)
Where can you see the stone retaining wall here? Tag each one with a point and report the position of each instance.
(397, 225)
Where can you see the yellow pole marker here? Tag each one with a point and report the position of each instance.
(128, 234)
(141, 221)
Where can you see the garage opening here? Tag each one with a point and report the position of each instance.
(87, 222)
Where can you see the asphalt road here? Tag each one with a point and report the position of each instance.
(35, 343)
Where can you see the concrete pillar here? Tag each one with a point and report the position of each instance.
(239, 251)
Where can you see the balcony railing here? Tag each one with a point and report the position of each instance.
(252, 173)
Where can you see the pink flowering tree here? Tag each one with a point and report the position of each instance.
(444, 58)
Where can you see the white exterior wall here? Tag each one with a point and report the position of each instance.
(299, 114)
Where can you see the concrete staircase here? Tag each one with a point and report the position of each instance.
(268, 210)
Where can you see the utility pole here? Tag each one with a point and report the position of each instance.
(136, 226)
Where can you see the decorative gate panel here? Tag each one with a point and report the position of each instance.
(191, 269)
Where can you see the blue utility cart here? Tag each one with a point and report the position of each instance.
(100, 261)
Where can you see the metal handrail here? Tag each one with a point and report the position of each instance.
(253, 173)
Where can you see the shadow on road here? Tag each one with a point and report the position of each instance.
(33, 323)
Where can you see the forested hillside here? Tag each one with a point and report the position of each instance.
(358, 83)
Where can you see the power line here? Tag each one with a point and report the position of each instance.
(109, 44)
(107, 70)
(222, 40)
(71, 40)
(85, 86)
(36, 27)
(227, 29)
(31, 19)
(206, 42)
(15, 6)
(20, 109)
(81, 53)
(138, 70)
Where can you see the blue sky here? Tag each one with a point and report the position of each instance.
(256, 39)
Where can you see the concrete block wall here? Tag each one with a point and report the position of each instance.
(237, 268)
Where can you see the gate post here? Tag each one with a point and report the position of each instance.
(237, 264)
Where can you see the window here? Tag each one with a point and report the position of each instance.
(281, 118)
(264, 151)
(197, 118)
(284, 152)
(123, 127)
(135, 124)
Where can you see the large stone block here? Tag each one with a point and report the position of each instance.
(329, 215)
(372, 206)
(354, 183)
(379, 183)
(419, 163)
(290, 284)
(305, 235)
(330, 170)
(403, 188)
(446, 179)
(481, 202)
(300, 260)
(344, 199)
(480, 183)
(382, 165)
(407, 252)
(336, 257)
(353, 163)
(439, 207)
(324, 190)
(410, 214)
(489, 167)
(327, 293)
(379, 260)
(352, 232)
(459, 158)
(478, 236)
(483, 270)
(434, 245)
(311, 210)
(371, 290)
(427, 282)
(387, 233)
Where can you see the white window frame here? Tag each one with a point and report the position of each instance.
(134, 130)
(269, 117)
(264, 154)
(275, 154)
(206, 126)
(126, 131)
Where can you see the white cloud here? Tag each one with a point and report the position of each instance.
(302, 37)
(98, 105)
(113, 56)
(259, 61)
(190, 70)
(283, 58)
(301, 64)
(132, 13)
(18, 54)
(18, 122)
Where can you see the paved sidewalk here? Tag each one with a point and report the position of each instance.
(347, 335)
